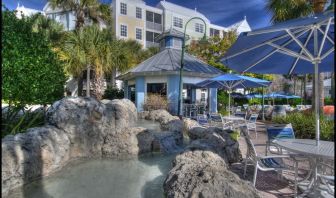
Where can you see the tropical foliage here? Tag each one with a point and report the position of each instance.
(32, 73)
(213, 50)
(304, 125)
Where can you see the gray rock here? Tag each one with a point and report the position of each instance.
(204, 174)
(76, 127)
(217, 140)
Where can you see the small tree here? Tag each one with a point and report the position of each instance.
(32, 74)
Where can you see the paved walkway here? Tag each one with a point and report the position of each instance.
(268, 183)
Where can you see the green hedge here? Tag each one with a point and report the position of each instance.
(304, 125)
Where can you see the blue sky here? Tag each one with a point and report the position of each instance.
(220, 12)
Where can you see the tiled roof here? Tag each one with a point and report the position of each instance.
(172, 32)
(169, 60)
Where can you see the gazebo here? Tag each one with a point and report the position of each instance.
(160, 74)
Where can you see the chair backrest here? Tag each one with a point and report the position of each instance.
(250, 152)
(253, 118)
(201, 119)
(279, 131)
(216, 117)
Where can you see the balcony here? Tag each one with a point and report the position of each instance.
(154, 26)
(152, 44)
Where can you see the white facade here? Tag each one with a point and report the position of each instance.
(326, 85)
(20, 9)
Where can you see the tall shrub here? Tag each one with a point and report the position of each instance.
(32, 74)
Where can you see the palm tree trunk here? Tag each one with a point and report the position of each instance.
(304, 88)
(80, 85)
(301, 90)
(113, 77)
(294, 79)
(321, 91)
(88, 81)
(333, 87)
(98, 87)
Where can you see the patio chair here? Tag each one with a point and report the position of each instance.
(226, 124)
(277, 131)
(327, 176)
(262, 163)
(252, 124)
(202, 120)
(215, 119)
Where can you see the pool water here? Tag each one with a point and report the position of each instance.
(103, 178)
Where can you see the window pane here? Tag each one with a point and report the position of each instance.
(155, 35)
(149, 36)
(123, 8)
(157, 88)
(138, 34)
(149, 16)
(178, 22)
(123, 30)
(138, 13)
(157, 18)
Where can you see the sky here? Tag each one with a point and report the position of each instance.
(219, 12)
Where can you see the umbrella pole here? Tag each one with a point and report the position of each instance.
(317, 104)
(263, 103)
(229, 102)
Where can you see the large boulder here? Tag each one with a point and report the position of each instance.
(27, 156)
(75, 127)
(128, 142)
(217, 140)
(204, 174)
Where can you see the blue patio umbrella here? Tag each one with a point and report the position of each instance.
(233, 81)
(253, 95)
(298, 46)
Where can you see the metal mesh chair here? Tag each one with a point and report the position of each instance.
(252, 124)
(262, 163)
(202, 120)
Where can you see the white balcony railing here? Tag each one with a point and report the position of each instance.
(153, 26)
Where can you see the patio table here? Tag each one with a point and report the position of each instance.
(308, 147)
(236, 120)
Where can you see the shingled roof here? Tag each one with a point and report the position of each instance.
(168, 61)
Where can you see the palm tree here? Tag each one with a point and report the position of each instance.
(82, 49)
(283, 10)
(91, 9)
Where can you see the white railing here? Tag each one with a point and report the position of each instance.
(153, 26)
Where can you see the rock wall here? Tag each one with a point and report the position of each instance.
(204, 174)
(76, 127)
(202, 169)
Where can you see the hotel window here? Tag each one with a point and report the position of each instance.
(214, 32)
(123, 8)
(138, 13)
(199, 27)
(178, 22)
(123, 30)
(138, 33)
(150, 36)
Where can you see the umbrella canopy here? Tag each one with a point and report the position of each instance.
(253, 95)
(298, 46)
(275, 95)
(233, 81)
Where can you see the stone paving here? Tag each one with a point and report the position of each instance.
(268, 183)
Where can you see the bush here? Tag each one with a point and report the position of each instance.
(113, 93)
(328, 101)
(155, 102)
(16, 120)
(32, 73)
(255, 101)
(222, 98)
(304, 125)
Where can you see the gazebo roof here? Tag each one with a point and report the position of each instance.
(168, 62)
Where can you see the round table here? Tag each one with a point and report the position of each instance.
(309, 148)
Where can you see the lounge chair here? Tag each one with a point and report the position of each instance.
(262, 163)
